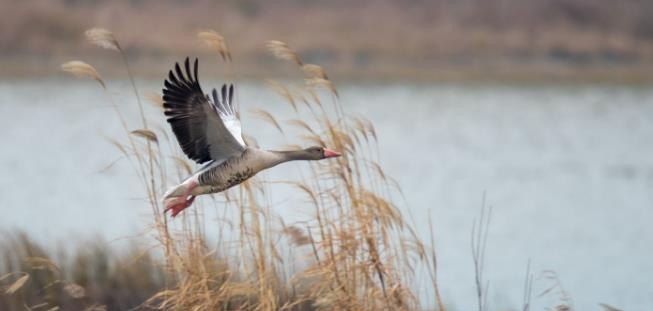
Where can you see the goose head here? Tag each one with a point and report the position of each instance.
(311, 154)
(319, 153)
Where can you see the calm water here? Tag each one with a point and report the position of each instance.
(567, 169)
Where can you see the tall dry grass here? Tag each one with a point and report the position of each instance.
(353, 251)
(94, 277)
(358, 251)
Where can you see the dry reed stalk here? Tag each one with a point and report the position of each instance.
(267, 117)
(283, 91)
(317, 83)
(528, 288)
(432, 267)
(607, 307)
(106, 39)
(302, 126)
(361, 248)
(147, 134)
(84, 70)
(18, 284)
(479, 244)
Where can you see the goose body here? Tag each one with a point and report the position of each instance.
(209, 132)
(219, 176)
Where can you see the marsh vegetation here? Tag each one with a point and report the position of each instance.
(354, 249)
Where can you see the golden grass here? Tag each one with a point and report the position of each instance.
(352, 251)
(94, 278)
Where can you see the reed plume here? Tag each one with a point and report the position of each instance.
(282, 51)
(83, 70)
(216, 42)
(352, 250)
(102, 38)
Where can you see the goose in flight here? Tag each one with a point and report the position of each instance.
(209, 132)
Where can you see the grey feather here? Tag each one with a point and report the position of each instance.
(204, 129)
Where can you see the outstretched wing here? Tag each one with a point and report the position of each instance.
(205, 130)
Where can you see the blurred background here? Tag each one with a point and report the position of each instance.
(544, 106)
(435, 39)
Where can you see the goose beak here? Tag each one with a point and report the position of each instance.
(328, 153)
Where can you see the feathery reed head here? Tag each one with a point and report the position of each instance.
(102, 38)
(314, 71)
(216, 42)
(82, 69)
(356, 253)
(281, 50)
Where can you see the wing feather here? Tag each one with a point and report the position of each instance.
(226, 108)
(204, 131)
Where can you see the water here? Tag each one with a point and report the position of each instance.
(568, 171)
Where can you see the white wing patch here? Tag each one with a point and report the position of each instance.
(226, 108)
(234, 127)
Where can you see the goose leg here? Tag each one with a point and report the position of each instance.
(177, 204)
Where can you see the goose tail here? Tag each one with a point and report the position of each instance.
(175, 191)
(182, 189)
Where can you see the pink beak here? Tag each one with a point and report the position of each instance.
(328, 153)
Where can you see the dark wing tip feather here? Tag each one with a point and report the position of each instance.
(230, 99)
(188, 72)
(183, 82)
(223, 99)
(216, 99)
(196, 63)
(182, 98)
(180, 74)
(224, 96)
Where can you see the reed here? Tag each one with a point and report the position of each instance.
(352, 251)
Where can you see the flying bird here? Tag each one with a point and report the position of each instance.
(209, 132)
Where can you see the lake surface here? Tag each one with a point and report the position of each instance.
(568, 171)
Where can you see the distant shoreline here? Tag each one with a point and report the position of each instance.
(439, 40)
(30, 67)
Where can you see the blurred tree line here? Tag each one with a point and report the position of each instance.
(352, 33)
